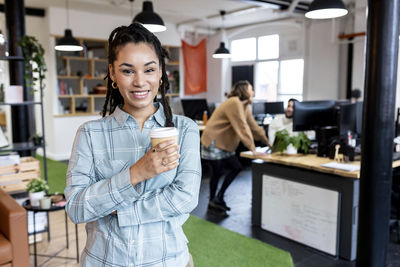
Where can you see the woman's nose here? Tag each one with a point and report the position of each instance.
(138, 81)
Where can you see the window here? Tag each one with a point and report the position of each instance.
(268, 47)
(266, 86)
(276, 78)
(243, 49)
(291, 79)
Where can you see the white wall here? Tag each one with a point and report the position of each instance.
(215, 69)
(360, 25)
(322, 62)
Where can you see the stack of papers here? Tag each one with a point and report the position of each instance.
(342, 166)
(265, 149)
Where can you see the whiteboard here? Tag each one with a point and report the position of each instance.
(301, 212)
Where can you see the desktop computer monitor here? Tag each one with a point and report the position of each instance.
(347, 118)
(258, 108)
(310, 115)
(274, 107)
(359, 116)
(194, 108)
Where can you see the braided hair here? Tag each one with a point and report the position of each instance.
(135, 33)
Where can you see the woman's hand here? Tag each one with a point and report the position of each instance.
(161, 158)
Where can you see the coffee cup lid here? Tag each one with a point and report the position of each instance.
(163, 132)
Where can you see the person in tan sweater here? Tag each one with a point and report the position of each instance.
(230, 123)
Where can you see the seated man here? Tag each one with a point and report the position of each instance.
(285, 122)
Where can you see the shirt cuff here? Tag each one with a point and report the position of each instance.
(122, 183)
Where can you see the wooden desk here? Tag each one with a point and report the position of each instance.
(306, 170)
(310, 161)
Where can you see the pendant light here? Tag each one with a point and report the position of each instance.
(222, 51)
(68, 42)
(150, 20)
(326, 9)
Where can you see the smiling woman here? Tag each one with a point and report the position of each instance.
(137, 75)
(133, 196)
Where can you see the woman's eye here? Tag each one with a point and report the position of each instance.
(150, 70)
(127, 71)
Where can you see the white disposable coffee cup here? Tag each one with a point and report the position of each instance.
(159, 135)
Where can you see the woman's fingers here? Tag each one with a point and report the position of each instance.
(161, 146)
(170, 159)
(171, 166)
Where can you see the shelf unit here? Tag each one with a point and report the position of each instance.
(172, 68)
(27, 146)
(78, 74)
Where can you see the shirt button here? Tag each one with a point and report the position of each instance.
(132, 241)
(131, 265)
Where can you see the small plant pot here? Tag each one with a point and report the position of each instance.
(35, 198)
(45, 203)
(291, 150)
(37, 141)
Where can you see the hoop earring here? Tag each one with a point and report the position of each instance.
(114, 85)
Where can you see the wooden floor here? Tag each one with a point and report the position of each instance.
(57, 244)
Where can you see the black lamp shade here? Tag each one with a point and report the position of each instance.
(68, 42)
(222, 52)
(150, 20)
(326, 9)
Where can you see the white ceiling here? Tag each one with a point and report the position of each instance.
(202, 14)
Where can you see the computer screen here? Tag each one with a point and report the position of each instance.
(347, 118)
(258, 108)
(274, 107)
(309, 115)
(359, 116)
(194, 108)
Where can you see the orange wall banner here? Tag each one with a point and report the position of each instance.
(195, 64)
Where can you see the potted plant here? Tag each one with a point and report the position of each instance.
(285, 143)
(36, 188)
(35, 66)
(36, 139)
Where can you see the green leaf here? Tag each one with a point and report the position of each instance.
(37, 185)
(283, 139)
(33, 53)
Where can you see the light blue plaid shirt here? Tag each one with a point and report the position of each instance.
(147, 229)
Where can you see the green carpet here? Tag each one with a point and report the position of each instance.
(213, 245)
(209, 244)
(56, 173)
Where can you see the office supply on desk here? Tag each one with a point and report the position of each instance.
(342, 166)
(266, 149)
